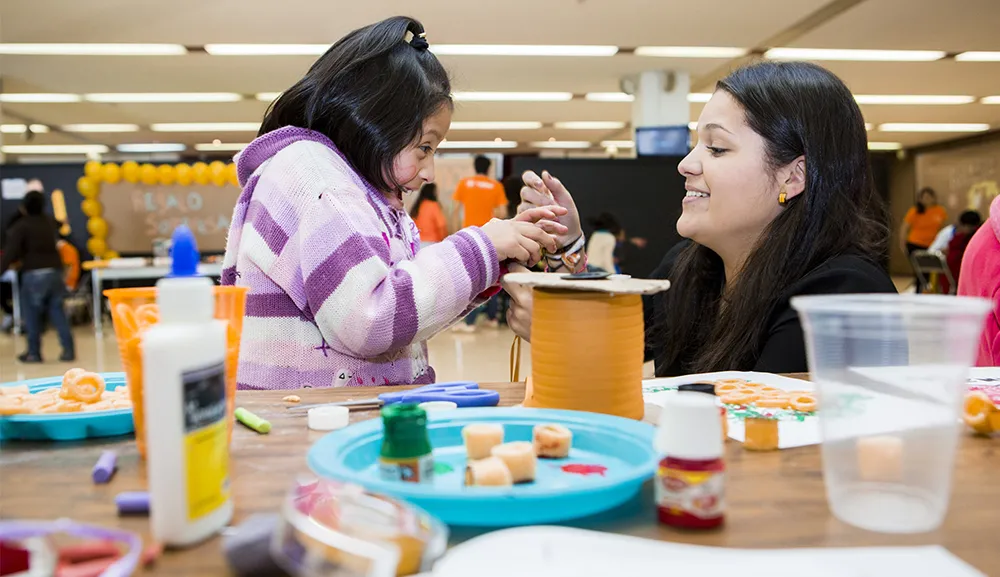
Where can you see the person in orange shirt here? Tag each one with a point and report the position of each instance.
(921, 224)
(481, 197)
(428, 216)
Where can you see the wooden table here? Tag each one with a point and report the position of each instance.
(774, 499)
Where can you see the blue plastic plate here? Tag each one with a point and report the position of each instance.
(610, 459)
(66, 426)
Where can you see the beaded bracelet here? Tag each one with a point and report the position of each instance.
(571, 257)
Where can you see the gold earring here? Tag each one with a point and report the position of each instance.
(783, 196)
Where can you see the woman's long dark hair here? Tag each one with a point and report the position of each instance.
(429, 192)
(799, 109)
(370, 94)
(921, 207)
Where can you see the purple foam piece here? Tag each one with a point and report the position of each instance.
(105, 467)
(132, 503)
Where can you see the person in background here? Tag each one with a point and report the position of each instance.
(480, 198)
(32, 241)
(603, 241)
(921, 225)
(954, 249)
(338, 291)
(70, 258)
(428, 216)
(780, 203)
(980, 277)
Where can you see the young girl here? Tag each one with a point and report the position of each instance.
(339, 294)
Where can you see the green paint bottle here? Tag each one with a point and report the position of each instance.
(406, 453)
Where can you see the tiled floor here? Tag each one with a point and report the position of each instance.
(483, 356)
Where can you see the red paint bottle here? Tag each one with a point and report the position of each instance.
(690, 481)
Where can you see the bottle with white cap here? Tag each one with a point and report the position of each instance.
(184, 392)
(690, 480)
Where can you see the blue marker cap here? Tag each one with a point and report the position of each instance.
(184, 252)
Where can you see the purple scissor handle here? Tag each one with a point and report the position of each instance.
(463, 394)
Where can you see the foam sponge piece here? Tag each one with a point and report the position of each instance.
(329, 418)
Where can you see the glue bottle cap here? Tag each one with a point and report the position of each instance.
(184, 252)
(690, 427)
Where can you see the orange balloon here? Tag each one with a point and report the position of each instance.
(199, 171)
(130, 171)
(149, 174)
(183, 172)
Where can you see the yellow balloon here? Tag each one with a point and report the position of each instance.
(183, 172)
(199, 172)
(97, 227)
(130, 171)
(167, 174)
(91, 207)
(217, 167)
(88, 187)
(97, 247)
(148, 174)
(110, 254)
(231, 175)
(92, 169)
(111, 173)
(219, 179)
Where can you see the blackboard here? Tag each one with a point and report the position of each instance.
(645, 195)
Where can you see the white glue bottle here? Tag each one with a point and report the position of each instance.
(184, 391)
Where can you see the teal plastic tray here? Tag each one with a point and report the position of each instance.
(66, 426)
(610, 459)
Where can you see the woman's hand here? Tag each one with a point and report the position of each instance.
(523, 238)
(519, 313)
(547, 190)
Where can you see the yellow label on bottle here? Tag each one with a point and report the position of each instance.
(206, 445)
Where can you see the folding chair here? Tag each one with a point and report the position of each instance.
(928, 265)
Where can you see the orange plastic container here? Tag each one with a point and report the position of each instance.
(134, 309)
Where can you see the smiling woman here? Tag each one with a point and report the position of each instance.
(780, 202)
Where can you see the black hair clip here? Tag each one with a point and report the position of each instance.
(419, 41)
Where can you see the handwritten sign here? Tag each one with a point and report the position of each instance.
(138, 214)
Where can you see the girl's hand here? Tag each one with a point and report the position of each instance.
(548, 190)
(519, 313)
(522, 239)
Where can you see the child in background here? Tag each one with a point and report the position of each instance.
(339, 294)
(968, 223)
(428, 216)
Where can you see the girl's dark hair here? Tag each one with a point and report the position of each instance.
(428, 191)
(921, 207)
(799, 109)
(370, 94)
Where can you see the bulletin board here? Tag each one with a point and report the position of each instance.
(128, 206)
(965, 178)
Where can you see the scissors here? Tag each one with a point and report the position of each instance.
(462, 393)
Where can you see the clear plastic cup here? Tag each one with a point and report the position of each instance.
(890, 371)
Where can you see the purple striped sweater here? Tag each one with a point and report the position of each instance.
(339, 295)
